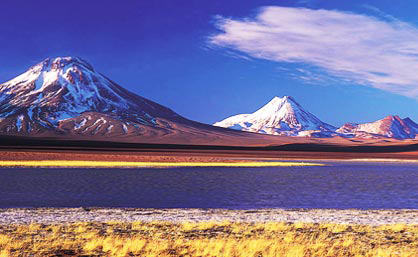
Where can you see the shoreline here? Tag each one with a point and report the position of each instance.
(354, 160)
(190, 159)
(227, 162)
(231, 163)
(203, 156)
(322, 216)
(127, 164)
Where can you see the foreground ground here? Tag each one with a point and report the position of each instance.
(198, 232)
(208, 239)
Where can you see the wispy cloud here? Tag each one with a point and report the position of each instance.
(382, 53)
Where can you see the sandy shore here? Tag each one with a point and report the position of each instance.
(71, 215)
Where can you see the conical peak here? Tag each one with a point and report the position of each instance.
(280, 102)
(274, 104)
(279, 108)
(66, 87)
(281, 115)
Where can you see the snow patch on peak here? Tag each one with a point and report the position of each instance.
(19, 122)
(60, 63)
(277, 101)
(48, 71)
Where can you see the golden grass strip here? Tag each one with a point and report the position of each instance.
(71, 163)
(228, 239)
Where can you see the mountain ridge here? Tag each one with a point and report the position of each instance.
(66, 96)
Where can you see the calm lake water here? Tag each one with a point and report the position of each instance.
(339, 185)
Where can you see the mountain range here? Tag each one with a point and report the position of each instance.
(66, 97)
(390, 126)
(284, 116)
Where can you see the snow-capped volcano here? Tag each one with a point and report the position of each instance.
(67, 94)
(390, 126)
(281, 116)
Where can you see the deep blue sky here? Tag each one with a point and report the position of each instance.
(159, 50)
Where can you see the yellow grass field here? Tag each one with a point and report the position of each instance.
(208, 239)
(70, 163)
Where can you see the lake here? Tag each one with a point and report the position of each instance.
(338, 185)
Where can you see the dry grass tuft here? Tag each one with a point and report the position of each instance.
(208, 239)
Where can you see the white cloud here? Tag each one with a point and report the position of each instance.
(360, 48)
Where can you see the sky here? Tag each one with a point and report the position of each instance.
(344, 61)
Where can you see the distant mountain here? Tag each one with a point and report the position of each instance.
(281, 116)
(390, 126)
